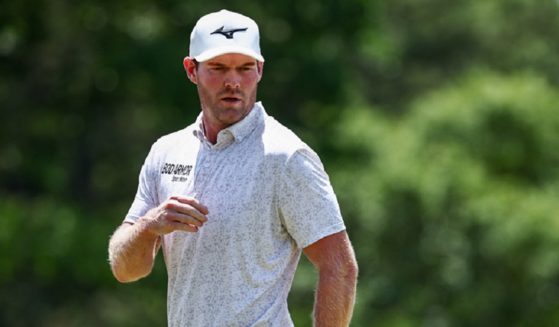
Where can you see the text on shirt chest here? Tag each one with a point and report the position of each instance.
(179, 172)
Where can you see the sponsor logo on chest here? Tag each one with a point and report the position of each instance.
(179, 172)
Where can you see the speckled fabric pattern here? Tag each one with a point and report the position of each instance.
(268, 198)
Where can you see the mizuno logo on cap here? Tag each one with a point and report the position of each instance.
(228, 34)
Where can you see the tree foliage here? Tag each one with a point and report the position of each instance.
(460, 218)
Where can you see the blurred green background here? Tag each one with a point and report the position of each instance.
(437, 120)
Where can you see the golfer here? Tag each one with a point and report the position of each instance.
(233, 200)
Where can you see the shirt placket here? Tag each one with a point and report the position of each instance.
(204, 172)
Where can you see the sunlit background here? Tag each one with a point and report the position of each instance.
(437, 121)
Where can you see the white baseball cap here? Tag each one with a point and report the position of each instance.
(224, 32)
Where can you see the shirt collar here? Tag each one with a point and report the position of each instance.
(243, 128)
(237, 131)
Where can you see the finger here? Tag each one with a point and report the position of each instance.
(173, 205)
(184, 219)
(184, 227)
(193, 202)
(188, 210)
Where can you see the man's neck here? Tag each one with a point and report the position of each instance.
(211, 131)
(212, 128)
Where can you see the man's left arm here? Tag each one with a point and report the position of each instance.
(334, 258)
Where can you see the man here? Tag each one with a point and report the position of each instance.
(234, 199)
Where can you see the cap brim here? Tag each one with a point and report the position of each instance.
(214, 52)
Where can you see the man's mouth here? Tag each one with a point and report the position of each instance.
(231, 99)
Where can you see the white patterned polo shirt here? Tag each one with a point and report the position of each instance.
(268, 197)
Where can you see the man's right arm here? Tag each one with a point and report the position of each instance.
(132, 251)
(133, 247)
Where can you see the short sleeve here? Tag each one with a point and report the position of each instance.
(146, 195)
(308, 206)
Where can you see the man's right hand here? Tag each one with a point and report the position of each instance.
(176, 213)
(133, 247)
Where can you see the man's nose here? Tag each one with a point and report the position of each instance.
(232, 79)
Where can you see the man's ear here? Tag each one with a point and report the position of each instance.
(260, 68)
(190, 68)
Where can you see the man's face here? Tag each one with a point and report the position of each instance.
(227, 87)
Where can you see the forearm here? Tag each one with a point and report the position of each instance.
(335, 297)
(132, 250)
